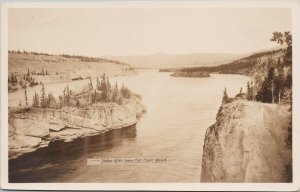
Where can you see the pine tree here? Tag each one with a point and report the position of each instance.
(115, 96)
(266, 93)
(252, 91)
(12, 79)
(26, 99)
(61, 101)
(108, 89)
(125, 92)
(108, 83)
(98, 84)
(225, 96)
(93, 95)
(68, 95)
(248, 91)
(278, 62)
(77, 103)
(104, 88)
(116, 86)
(288, 82)
(103, 83)
(33, 99)
(35, 102)
(65, 101)
(91, 84)
(15, 79)
(278, 86)
(51, 100)
(43, 97)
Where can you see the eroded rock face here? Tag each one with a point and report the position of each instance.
(248, 144)
(37, 128)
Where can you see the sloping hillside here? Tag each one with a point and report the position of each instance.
(56, 68)
(246, 65)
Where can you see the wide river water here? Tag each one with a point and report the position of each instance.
(179, 110)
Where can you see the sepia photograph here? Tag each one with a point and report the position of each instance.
(124, 92)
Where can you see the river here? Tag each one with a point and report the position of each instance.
(179, 110)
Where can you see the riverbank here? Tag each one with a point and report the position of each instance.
(248, 143)
(36, 128)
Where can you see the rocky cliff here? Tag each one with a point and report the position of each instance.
(248, 143)
(36, 128)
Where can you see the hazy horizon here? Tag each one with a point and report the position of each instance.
(148, 31)
(151, 54)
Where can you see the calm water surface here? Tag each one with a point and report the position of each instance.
(179, 110)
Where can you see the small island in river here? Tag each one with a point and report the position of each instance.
(190, 74)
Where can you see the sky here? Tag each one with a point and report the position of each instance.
(145, 31)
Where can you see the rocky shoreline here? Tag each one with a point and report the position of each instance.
(36, 128)
(248, 143)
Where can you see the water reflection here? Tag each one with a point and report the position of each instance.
(35, 166)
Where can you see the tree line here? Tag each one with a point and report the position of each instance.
(102, 92)
(81, 58)
(42, 72)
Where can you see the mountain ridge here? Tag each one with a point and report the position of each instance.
(194, 59)
(162, 60)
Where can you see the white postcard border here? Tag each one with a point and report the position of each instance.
(293, 4)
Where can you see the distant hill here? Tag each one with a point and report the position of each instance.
(248, 65)
(63, 67)
(179, 60)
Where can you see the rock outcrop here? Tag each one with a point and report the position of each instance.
(36, 128)
(248, 143)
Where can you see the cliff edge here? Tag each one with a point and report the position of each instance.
(248, 143)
